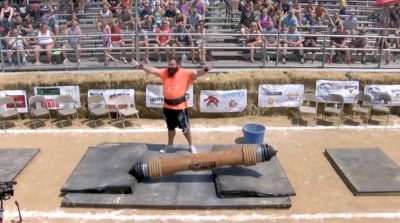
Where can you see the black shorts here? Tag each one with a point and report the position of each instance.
(176, 118)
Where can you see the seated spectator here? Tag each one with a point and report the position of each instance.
(193, 20)
(342, 7)
(143, 42)
(310, 41)
(246, 18)
(308, 14)
(105, 15)
(397, 34)
(360, 42)
(117, 39)
(52, 22)
(394, 14)
(184, 8)
(146, 11)
(183, 40)
(115, 5)
(320, 13)
(271, 37)
(292, 39)
(297, 10)
(351, 24)
(170, 12)
(126, 21)
(16, 43)
(384, 43)
(200, 38)
(24, 26)
(126, 4)
(36, 15)
(276, 13)
(200, 8)
(164, 39)
(107, 42)
(73, 39)
(336, 19)
(45, 41)
(158, 13)
(6, 15)
(289, 20)
(253, 39)
(70, 18)
(264, 20)
(339, 42)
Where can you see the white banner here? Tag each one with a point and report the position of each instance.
(50, 93)
(155, 99)
(19, 97)
(392, 90)
(348, 89)
(279, 95)
(223, 101)
(110, 96)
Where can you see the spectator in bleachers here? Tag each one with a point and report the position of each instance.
(170, 13)
(253, 39)
(115, 6)
(45, 41)
(200, 7)
(384, 43)
(276, 13)
(183, 39)
(246, 19)
(50, 19)
(193, 20)
(200, 38)
(351, 24)
(82, 5)
(143, 42)
(271, 37)
(289, 20)
(73, 40)
(308, 14)
(339, 42)
(6, 14)
(184, 8)
(297, 10)
(233, 5)
(36, 15)
(158, 13)
(336, 19)
(264, 20)
(360, 42)
(24, 26)
(285, 6)
(342, 7)
(117, 39)
(310, 41)
(394, 14)
(146, 11)
(107, 43)
(126, 19)
(292, 38)
(164, 39)
(320, 13)
(397, 41)
(105, 15)
(126, 4)
(16, 43)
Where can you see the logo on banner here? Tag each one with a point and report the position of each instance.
(211, 101)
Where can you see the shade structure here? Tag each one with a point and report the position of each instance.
(386, 2)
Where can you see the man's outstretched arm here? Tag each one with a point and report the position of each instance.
(200, 72)
(148, 69)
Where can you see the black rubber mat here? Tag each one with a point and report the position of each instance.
(13, 161)
(366, 171)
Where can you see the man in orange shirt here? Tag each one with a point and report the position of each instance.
(175, 82)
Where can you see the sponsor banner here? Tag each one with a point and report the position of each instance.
(110, 95)
(19, 97)
(50, 93)
(223, 101)
(155, 99)
(279, 95)
(348, 89)
(392, 90)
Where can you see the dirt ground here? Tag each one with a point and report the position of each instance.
(321, 196)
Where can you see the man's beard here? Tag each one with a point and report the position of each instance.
(172, 71)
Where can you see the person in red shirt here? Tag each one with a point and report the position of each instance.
(117, 39)
(175, 81)
(163, 39)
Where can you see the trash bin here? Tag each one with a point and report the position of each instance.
(253, 134)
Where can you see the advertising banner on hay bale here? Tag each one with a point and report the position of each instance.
(155, 99)
(279, 95)
(392, 90)
(223, 101)
(110, 95)
(19, 97)
(50, 93)
(348, 89)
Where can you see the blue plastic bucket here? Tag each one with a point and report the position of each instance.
(253, 134)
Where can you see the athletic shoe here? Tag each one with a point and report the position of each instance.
(284, 61)
(193, 149)
(166, 148)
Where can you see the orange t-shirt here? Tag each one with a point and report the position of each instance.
(176, 86)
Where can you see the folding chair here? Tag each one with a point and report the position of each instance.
(66, 107)
(95, 107)
(125, 108)
(36, 111)
(306, 107)
(362, 104)
(334, 105)
(385, 105)
(9, 112)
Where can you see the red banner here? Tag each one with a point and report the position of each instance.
(386, 2)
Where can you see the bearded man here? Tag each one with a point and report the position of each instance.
(175, 81)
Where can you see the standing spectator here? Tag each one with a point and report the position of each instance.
(45, 41)
(253, 39)
(264, 20)
(163, 39)
(107, 43)
(342, 7)
(339, 42)
(117, 39)
(292, 39)
(183, 40)
(320, 13)
(360, 42)
(105, 15)
(201, 41)
(308, 13)
(6, 14)
(311, 41)
(16, 43)
(193, 20)
(289, 20)
(384, 43)
(246, 18)
(297, 10)
(351, 24)
(143, 42)
(73, 37)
